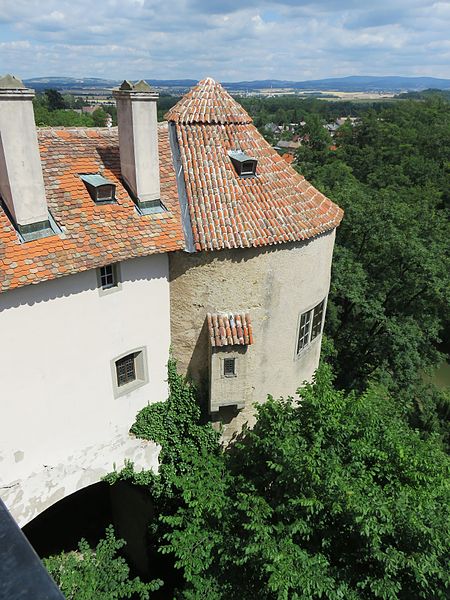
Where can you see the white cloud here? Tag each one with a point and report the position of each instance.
(258, 39)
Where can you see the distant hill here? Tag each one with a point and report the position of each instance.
(354, 83)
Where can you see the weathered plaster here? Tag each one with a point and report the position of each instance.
(28, 497)
(275, 285)
(61, 428)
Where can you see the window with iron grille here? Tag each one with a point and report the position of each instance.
(129, 371)
(310, 327)
(229, 367)
(126, 370)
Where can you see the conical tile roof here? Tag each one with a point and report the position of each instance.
(275, 206)
(208, 102)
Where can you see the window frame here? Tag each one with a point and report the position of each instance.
(126, 370)
(309, 315)
(117, 276)
(93, 186)
(140, 370)
(224, 371)
(111, 199)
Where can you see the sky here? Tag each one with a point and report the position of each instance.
(227, 40)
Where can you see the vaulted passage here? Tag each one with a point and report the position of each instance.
(84, 514)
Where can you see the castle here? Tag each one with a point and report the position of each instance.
(119, 243)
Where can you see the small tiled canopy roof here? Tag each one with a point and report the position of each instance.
(227, 211)
(230, 329)
(92, 235)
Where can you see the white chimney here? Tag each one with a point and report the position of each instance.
(21, 180)
(138, 140)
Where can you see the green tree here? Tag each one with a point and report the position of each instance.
(389, 306)
(315, 148)
(99, 117)
(97, 573)
(335, 497)
(55, 99)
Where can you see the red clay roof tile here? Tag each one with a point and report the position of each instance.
(208, 102)
(228, 211)
(93, 235)
(230, 329)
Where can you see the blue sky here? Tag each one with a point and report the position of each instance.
(228, 40)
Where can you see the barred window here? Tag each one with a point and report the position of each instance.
(129, 371)
(310, 326)
(126, 370)
(229, 367)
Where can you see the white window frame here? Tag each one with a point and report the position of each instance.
(308, 315)
(140, 368)
(117, 284)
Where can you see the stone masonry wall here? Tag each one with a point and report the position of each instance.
(275, 285)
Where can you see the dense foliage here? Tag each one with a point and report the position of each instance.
(333, 498)
(389, 303)
(97, 573)
(51, 108)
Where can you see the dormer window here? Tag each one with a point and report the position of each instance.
(245, 165)
(101, 190)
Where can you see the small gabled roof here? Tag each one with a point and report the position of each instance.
(208, 102)
(229, 329)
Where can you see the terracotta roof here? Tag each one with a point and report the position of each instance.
(230, 329)
(208, 102)
(228, 211)
(289, 158)
(93, 235)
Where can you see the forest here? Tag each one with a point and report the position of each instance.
(346, 494)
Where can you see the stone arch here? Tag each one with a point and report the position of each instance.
(28, 497)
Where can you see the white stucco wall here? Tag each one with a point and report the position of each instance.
(59, 419)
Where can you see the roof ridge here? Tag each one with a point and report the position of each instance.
(208, 102)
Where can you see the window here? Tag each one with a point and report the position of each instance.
(248, 167)
(244, 165)
(129, 371)
(229, 367)
(303, 334)
(317, 320)
(101, 190)
(310, 326)
(33, 231)
(105, 193)
(109, 279)
(126, 370)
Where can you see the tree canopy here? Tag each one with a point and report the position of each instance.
(389, 303)
(332, 497)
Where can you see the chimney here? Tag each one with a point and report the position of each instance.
(138, 142)
(21, 180)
